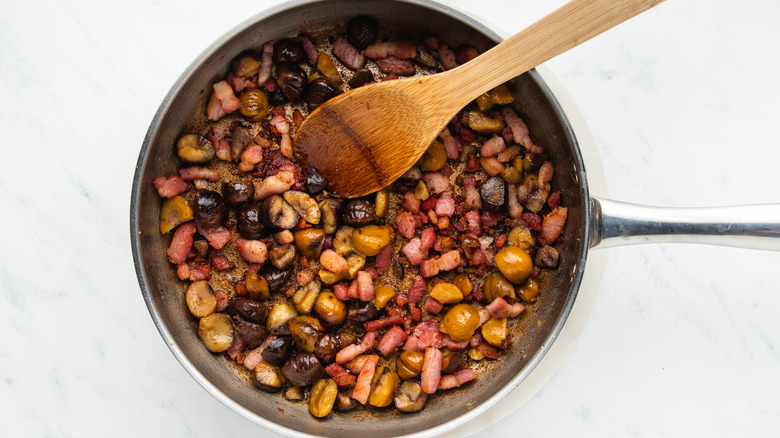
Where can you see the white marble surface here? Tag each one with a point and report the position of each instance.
(682, 340)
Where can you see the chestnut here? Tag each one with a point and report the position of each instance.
(209, 208)
(292, 80)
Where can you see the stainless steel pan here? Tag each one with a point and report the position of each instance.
(592, 223)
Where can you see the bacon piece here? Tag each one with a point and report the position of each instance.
(341, 292)
(305, 276)
(380, 323)
(363, 384)
(223, 101)
(253, 251)
(474, 222)
(355, 365)
(488, 350)
(190, 272)
(478, 257)
(431, 370)
(430, 267)
(471, 193)
(221, 146)
(222, 298)
(554, 200)
(406, 223)
(411, 344)
(250, 157)
(514, 205)
(265, 67)
(451, 145)
(545, 174)
(465, 54)
(198, 172)
(217, 236)
(533, 220)
(283, 126)
(519, 130)
(445, 206)
(491, 165)
(383, 259)
(181, 243)
(429, 204)
(398, 49)
(341, 376)
(428, 238)
(552, 225)
(417, 289)
(254, 357)
(333, 262)
(494, 146)
(449, 260)
(455, 345)
(501, 309)
(311, 50)
(365, 286)
(239, 84)
(433, 306)
(352, 292)
(508, 154)
(437, 183)
(274, 185)
(396, 66)
(236, 349)
(169, 187)
(457, 378)
(414, 252)
(222, 263)
(348, 54)
(410, 203)
(284, 237)
(354, 350)
(394, 338)
(447, 57)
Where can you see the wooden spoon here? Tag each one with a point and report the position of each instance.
(365, 139)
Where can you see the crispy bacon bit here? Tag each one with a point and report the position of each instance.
(465, 54)
(222, 299)
(428, 238)
(341, 291)
(519, 130)
(250, 157)
(217, 236)
(355, 365)
(253, 358)
(491, 165)
(283, 126)
(239, 84)
(554, 200)
(449, 260)
(352, 351)
(410, 203)
(381, 323)
(253, 251)
(429, 204)
(411, 344)
(305, 276)
(508, 154)
(478, 257)
(492, 147)
(199, 272)
(433, 306)
(265, 68)
(457, 378)
(382, 260)
(311, 50)
(222, 263)
(284, 237)
(169, 187)
(472, 194)
(181, 243)
(533, 220)
(417, 289)
(430, 267)
(236, 349)
(501, 309)
(399, 49)
(552, 225)
(198, 172)
(363, 384)
(431, 370)
(450, 144)
(447, 57)
(348, 54)
(274, 185)
(397, 66)
(545, 174)
(223, 101)
(406, 223)
(394, 338)
(445, 206)
(515, 208)
(437, 183)
(365, 286)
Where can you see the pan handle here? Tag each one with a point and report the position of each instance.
(747, 226)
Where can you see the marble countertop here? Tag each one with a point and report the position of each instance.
(681, 340)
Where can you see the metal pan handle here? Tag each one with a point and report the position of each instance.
(747, 226)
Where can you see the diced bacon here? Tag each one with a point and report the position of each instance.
(429, 204)
(253, 251)
(341, 291)
(348, 54)
(428, 238)
(186, 271)
(345, 380)
(236, 349)
(552, 225)
(198, 172)
(363, 384)
(352, 291)
(431, 339)
(222, 263)
(474, 222)
(471, 193)
(447, 57)
(437, 183)
(200, 184)
(429, 325)
(545, 174)
(417, 289)
(239, 84)
(333, 262)
(515, 207)
(406, 223)
(491, 165)
(217, 236)
(222, 298)
(519, 130)
(465, 54)
(169, 187)
(455, 345)
(411, 344)
(335, 369)
(214, 109)
(410, 203)
(431, 43)
(484, 316)
(445, 206)
(381, 323)
(430, 267)
(223, 101)
(394, 338)
(533, 220)
(433, 306)
(181, 243)
(382, 260)
(492, 147)
(414, 252)
(478, 257)
(451, 145)
(431, 370)
(501, 309)
(311, 50)
(365, 286)
(274, 185)
(508, 154)
(265, 67)
(490, 219)
(253, 358)
(355, 365)
(221, 145)
(457, 378)
(250, 157)
(283, 126)
(354, 350)
(449, 260)
(554, 200)
(399, 49)
(488, 350)
(284, 237)
(396, 66)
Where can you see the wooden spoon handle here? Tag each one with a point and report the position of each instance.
(569, 26)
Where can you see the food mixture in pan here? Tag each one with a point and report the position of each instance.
(383, 300)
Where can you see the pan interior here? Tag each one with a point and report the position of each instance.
(534, 330)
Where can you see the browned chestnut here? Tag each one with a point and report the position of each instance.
(289, 50)
(303, 369)
(361, 31)
(238, 192)
(249, 220)
(278, 351)
(209, 208)
(292, 80)
(319, 91)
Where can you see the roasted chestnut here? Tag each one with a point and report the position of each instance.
(303, 369)
(279, 213)
(319, 91)
(361, 31)
(493, 193)
(268, 377)
(315, 182)
(254, 104)
(361, 77)
(289, 50)
(359, 213)
(248, 309)
(309, 241)
(276, 278)
(305, 331)
(249, 221)
(278, 351)
(327, 347)
(292, 80)
(238, 192)
(252, 334)
(209, 208)
(247, 65)
(366, 312)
